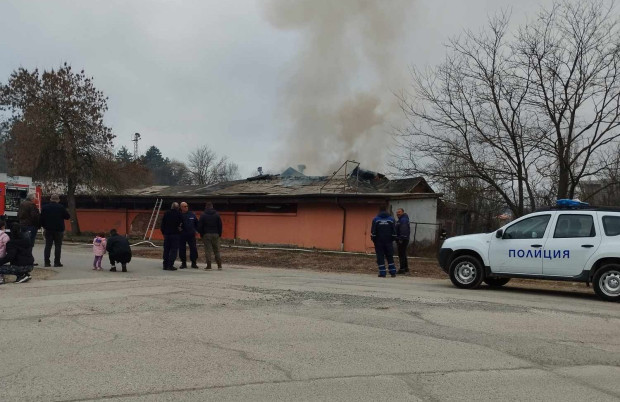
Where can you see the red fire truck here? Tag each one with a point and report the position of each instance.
(13, 190)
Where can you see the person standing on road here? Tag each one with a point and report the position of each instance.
(383, 233)
(210, 229)
(119, 250)
(188, 237)
(4, 239)
(53, 217)
(99, 249)
(29, 217)
(171, 228)
(403, 232)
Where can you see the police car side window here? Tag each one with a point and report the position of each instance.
(574, 225)
(611, 225)
(530, 228)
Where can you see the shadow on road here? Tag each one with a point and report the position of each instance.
(515, 289)
(582, 293)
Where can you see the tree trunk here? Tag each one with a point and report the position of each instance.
(75, 225)
(563, 182)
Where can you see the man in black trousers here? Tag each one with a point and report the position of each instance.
(171, 228)
(188, 237)
(403, 232)
(383, 234)
(53, 217)
(29, 217)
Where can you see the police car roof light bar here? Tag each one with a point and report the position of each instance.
(571, 204)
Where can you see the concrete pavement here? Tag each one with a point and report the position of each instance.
(275, 334)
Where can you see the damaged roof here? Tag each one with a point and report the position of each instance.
(276, 185)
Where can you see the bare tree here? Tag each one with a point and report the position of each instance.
(470, 111)
(206, 168)
(115, 176)
(604, 189)
(179, 173)
(523, 114)
(483, 204)
(224, 170)
(201, 162)
(573, 50)
(56, 129)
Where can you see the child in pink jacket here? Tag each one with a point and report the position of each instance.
(4, 239)
(99, 244)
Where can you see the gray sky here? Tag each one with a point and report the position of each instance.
(267, 83)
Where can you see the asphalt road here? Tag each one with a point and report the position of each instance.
(275, 334)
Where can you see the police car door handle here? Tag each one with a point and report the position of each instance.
(536, 245)
(587, 245)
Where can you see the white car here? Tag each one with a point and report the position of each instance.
(564, 244)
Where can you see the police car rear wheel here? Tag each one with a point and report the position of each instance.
(607, 282)
(466, 272)
(496, 282)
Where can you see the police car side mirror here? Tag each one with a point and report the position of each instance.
(499, 233)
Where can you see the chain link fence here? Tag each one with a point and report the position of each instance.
(424, 240)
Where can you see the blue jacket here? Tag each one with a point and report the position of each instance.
(383, 228)
(190, 223)
(403, 230)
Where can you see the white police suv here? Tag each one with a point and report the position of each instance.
(569, 242)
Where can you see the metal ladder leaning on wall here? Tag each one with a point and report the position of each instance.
(150, 228)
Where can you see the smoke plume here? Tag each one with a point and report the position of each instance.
(338, 98)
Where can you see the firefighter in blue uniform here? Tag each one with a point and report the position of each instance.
(383, 233)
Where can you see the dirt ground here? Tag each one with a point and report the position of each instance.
(352, 263)
(37, 273)
(43, 273)
(312, 260)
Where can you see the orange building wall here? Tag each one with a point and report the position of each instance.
(357, 232)
(317, 226)
(101, 220)
(313, 226)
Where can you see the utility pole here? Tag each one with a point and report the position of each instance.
(136, 138)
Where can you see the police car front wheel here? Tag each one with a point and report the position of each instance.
(466, 272)
(607, 282)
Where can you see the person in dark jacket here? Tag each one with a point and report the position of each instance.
(118, 250)
(53, 217)
(383, 233)
(171, 228)
(18, 255)
(188, 237)
(29, 217)
(210, 229)
(403, 231)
